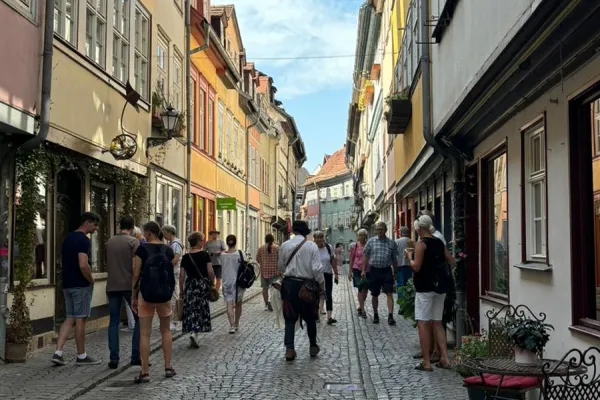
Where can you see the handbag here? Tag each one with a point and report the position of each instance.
(310, 290)
(213, 293)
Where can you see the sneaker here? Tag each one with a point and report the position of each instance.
(232, 329)
(290, 355)
(58, 360)
(87, 361)
(314, 350)
(236, 327)
(266, 307)
(391, 320)
(331, 321)
(269, 306)
(113, 364)
(375, 318)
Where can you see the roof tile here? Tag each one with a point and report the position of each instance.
(335, 165)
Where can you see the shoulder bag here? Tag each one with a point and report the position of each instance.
(213, 293)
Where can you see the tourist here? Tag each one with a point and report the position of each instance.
(356, 259)
(232, 294)
(170, 234)
(267, 257)
(214, 247)
(330, 269)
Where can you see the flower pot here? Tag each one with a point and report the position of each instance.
(525, 357)
(16, 352)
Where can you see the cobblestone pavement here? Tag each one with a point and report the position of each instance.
(358, 360)
(39, 379)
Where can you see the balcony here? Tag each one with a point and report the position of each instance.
(398, 114)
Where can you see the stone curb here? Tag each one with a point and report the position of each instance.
(156, 346)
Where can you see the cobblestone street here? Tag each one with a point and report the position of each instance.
(358, 360)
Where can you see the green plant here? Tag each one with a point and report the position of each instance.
(403, 95)
(135, 196)
(528, 334)
(157, 100)
(473, 346)
(406, 301)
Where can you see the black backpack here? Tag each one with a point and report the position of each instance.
(246, 275)
(157, 282)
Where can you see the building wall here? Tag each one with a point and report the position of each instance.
(544, 292)
(483, 25)
(408, 145)
(337, 206)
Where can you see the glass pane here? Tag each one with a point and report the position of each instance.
(89, 33)
(538, 236)
(536, 156)
(498, 225)
(537, 200)
(100, 204)
(99, 54)
(175, 209)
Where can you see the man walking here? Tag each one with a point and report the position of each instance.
(120, 250)
(300, 263)
(78, 284)
(404, 271)
(381, 253)
(175, 244)
(214, 247)
(267, 258)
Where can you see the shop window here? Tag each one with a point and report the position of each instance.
(102, 203)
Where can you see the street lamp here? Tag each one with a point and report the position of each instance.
(169, 118)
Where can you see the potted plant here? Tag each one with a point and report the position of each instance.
(529, 337)
(472, 346)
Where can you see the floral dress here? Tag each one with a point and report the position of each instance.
(196, 308)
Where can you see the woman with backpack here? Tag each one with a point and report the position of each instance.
(233, 295)
(196, 288)
(431, 260)
(153, 287)
(330, 269)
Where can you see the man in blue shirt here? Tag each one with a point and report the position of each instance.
(381, 254)
(78, 283)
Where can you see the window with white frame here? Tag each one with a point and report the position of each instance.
(65, 20)
(169, 203)
(242, 142)
(535, 192)
(228, 128)
(411, 49)
(141, 56)
(120, 65)
(201, 134)
(177, 93)
(95, 31)
(235, 134)
(162, 60)
(27, 8)
(220, 127)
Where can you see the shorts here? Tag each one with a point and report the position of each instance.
(266, 282)
(356, 278)
(429, 306)
(78, 302)
(218, 271)
(146, 310)
(381, 279)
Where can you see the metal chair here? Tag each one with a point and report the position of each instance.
(582, 382)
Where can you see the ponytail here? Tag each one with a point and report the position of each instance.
(269, 239)
(269, 245)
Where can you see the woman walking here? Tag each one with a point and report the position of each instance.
(232, 294)
(429, 254)
(339, 255)
(152, 262)
(196, 288)
(330, 269)
(267, 258)
(356, 259)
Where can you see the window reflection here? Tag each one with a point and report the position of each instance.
(498, 225)
(101, 199)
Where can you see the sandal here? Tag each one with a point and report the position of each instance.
(170, 372)
(435, 358)
(442, 366)
(421, 367)
(141, 378)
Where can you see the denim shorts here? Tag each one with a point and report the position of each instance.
(78, 302)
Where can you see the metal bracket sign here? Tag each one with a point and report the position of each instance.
(226, 203)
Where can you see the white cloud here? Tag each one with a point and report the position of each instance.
(300, 28)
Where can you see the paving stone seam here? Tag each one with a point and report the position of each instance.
(153, 350)
(363, 361)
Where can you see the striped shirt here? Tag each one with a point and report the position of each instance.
(382, 253)
(268, 261)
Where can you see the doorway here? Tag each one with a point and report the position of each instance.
(69, 207)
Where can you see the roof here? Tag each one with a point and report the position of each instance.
(333, 167)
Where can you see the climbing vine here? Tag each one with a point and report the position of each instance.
(135, 195)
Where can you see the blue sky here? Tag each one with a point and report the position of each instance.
(315, 91)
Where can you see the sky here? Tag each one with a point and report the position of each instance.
(315, 91)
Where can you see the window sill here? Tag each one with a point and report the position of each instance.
(494, 299)
(534, 266)
(586, 331)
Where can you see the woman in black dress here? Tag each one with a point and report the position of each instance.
(196, 288)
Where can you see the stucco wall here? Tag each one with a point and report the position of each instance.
(544, 292)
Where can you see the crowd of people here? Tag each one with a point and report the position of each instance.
(151, 272)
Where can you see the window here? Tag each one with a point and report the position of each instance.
(65, 17)
(211, 214)
(229, 148)
(495, 230)
(27, 8)
(211, 128)
(596, 126)
(535, 193)
(194, 110)
(251, 166)
(235, 159)
(95, 31)
(256, 167)
(102, 203)
(242, 141)
(220, 123)
(177, 93)
(140, 61)
(162, 57)
(169, 204)
(120, 40)
(335, 219)
(201, 132)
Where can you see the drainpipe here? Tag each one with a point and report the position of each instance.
(188, 117)
(46, 86)
(247, 216)
(457, 170)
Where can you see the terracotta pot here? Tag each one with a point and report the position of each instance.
(16, 353)
(525, 357)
